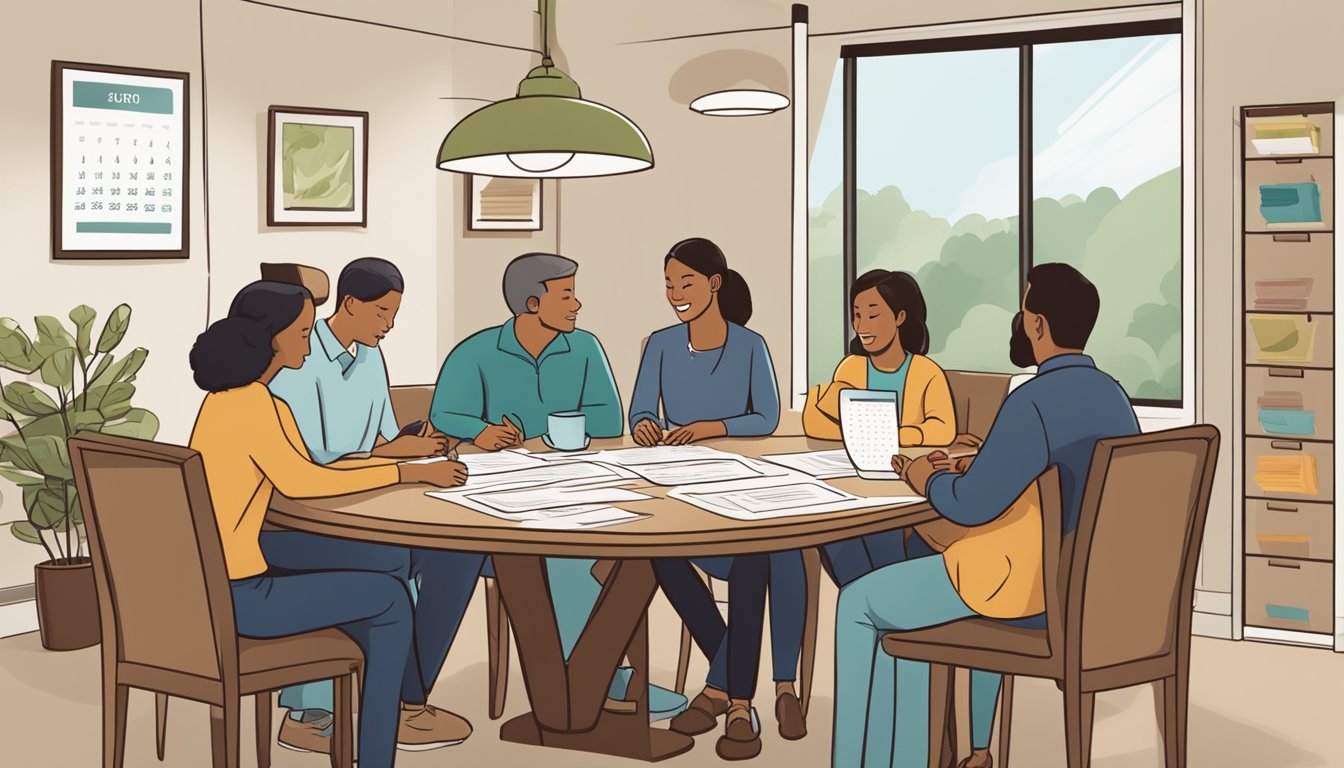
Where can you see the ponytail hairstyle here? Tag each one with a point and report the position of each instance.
(900, 291)
(236, 350)
(704, 257)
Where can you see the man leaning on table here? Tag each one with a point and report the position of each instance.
(990, 531)
(342, 403)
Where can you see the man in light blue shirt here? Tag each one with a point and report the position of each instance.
(342, 404)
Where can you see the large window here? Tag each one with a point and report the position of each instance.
(965, 161)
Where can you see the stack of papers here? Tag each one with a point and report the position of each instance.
(1286, 474)
(771, 498)
(1286, 294)
(1287, 137)
(823, 465)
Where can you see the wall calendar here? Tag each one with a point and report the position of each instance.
(119, 162)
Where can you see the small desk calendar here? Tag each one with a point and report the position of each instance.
(119, 162)
(870, 426)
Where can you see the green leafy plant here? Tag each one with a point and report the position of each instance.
(92, 392)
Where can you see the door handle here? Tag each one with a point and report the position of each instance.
(1287, 373)
(1282, 564)
(1280, 508)
(1286, 445)
(1294, 237)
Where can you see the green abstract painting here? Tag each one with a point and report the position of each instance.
(318, 171)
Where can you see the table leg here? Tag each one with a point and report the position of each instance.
(568, 697)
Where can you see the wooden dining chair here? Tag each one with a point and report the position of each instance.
(166, 609)
(1110, 624)
(806, 660)
(410, 403)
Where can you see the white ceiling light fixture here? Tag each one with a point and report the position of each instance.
(740, 103)
(749, 102)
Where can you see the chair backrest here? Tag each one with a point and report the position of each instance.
(411, 403)
(163, 588)
(312, 278)
(977, 398)
(1131, 575)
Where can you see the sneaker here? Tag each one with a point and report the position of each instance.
(741, 739)
(425, 727)
(310, 732)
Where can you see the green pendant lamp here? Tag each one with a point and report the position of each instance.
(547, 131)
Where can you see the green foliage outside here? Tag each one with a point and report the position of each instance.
(968, 271)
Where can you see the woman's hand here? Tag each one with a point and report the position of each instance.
(427, 442)
(647, 433)
(497, 437)
(916, 472)
(700, 430)
(444, 474)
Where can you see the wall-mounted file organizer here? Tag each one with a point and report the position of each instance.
(1288, 590)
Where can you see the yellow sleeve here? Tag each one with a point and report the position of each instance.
(821, 411)
(291, 472)
(930, 418)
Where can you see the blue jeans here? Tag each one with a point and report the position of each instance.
(851, 559)
(881, 703)
(372, 608)
(788, 604)
(441, 583)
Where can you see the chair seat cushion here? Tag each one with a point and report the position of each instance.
(941, 643)
(321, 648)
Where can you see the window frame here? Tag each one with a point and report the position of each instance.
(1097, 27)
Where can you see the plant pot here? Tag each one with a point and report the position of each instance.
(67, 604)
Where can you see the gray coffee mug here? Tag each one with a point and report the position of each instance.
(567, 430)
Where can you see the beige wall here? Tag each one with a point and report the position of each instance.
(1249, 57)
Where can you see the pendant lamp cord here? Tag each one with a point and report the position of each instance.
(546, 29)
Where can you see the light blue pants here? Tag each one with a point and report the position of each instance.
(881, 703)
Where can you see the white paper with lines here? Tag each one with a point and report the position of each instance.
(770, 498)
(823, 465)
(871, 428)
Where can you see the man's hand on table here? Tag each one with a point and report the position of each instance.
(497, 437)
(647, 433)
(916, 472)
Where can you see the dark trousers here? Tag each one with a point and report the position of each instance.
(847, 560)
(748, 578)
(374, 609)
(445, 581)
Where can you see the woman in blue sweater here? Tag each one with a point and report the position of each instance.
(714, 378)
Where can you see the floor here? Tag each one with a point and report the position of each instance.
(1253, 705)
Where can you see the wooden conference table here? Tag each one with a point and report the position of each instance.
(569, 699)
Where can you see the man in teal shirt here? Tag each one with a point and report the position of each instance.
(498, 387)
(342, 405)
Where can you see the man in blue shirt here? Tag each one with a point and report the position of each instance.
(1056, 418)
(342, 404)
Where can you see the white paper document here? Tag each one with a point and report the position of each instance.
(576, 518)
(549, 473)
(659, 454)
(871, 428)
(502, 461)
(691, 472)
(823, 465)
(770, 498)
(550, 497)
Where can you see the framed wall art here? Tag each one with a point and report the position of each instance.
(120, 162)
(317, 167)
(503, 204)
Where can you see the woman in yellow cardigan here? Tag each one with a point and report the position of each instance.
(251, 446)
(888, 353)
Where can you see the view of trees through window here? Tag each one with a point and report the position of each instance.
(937, 195)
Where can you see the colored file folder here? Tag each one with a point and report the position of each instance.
(1286, 474)
(1284, 338)
(1285, 294)
(1298, 203)
(1291, 137)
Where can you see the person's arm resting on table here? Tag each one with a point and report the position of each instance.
(764, 415)
(600, 402)
(1012, 457)
(648, 392)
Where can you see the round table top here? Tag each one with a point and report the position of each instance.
(404, 515)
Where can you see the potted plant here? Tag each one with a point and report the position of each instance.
(87, 389)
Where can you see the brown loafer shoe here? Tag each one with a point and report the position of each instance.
(300, 736)
(700, 717)
(428, 727)
(978, 760)
(789, 715)
(741, 739)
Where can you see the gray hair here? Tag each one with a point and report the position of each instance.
(527, 275)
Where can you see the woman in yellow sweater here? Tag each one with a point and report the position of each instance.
(251, 446)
